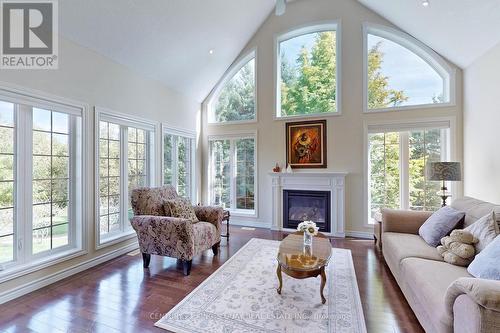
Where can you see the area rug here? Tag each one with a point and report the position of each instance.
(241, 297)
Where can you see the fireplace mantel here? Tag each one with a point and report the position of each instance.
(316, 181)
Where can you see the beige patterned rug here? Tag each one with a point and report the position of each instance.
(241, 297)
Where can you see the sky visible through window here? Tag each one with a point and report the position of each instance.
(408, 72)
(291, 48)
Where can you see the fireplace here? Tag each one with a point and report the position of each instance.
(303, 205)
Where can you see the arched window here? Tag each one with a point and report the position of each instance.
(401, 72)
(307, 74)
(234, 99)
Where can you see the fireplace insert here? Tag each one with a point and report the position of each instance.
(300, 205)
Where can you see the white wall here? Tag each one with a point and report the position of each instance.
(481, 127)
(345, 132)
(95, 80)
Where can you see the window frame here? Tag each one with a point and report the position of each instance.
(25, 261)
(230, 73)
(232, 137)
(123, 120)
(330, 25)
(405, 125)
(434, 60)
(191, 135)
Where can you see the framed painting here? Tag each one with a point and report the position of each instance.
(306, 144)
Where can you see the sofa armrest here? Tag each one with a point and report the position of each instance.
(166, 236)
(403, 221)
(210, 214)
(485, 293)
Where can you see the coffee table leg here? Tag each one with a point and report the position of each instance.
(323, 282)
(278, 272)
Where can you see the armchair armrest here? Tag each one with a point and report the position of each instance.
(485, 293)
(210, 214)
(403, 221)
(166, 236)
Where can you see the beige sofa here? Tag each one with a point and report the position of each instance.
(445, 298)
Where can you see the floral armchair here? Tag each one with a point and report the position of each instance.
(169, 236)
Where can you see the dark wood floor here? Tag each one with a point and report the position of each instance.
(119, 296)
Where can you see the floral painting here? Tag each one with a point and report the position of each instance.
(306, 144)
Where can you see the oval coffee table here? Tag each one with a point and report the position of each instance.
(300, 262)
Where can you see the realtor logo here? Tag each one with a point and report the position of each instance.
(29, 34)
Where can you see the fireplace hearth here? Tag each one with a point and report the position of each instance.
(305, 205)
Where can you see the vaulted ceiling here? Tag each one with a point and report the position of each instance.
(460, 30)
(167, 40)
(170, 40)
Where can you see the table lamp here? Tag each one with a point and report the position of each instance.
(444, 171)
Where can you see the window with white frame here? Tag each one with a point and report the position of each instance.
(234, 99)
(307, 74)
(41, 192)
(397, 162)
(402, 72)
(126, 161)
(179, 161)
(232, 172)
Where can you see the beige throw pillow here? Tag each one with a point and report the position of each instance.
(181, 208)
(485, 230)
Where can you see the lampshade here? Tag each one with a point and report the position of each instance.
(449, 171)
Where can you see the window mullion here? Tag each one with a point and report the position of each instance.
(404, 176)
(24, 204)
(123, 176)
(232, 163)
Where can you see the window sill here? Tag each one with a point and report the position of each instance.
(15, 271)
(233, 122)
(308, 116)
(116, 238)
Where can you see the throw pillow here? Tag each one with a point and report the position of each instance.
(485, 230)
(181, 208)
(440, 224)
(486, 265)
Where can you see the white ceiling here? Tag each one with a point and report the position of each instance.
(460, 30)
(167, 40)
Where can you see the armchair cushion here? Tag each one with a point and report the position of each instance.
(150, 201)
(181, 208)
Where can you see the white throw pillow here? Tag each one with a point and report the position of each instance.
(486, 265)
(485, 230)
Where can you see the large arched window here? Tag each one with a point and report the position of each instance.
(234, 98)
(307, 75)
(401, 72)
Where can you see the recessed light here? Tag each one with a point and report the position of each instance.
(426, 3)
(211, 52)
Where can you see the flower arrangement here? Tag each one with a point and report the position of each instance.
(308, 227)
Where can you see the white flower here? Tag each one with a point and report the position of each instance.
(309, 227)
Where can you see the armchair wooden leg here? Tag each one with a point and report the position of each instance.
(186, 265)
(215, 248)
(146, 258)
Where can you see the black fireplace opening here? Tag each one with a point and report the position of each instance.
(300, 205)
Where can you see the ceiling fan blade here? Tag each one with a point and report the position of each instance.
(280, 7)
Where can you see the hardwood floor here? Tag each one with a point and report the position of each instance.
(120, 296)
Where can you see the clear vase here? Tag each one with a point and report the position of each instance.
(308, 239)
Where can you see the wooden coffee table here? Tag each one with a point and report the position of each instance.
(301, 262)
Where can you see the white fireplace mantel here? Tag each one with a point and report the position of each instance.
(333, 182)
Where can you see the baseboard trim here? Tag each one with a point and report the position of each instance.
(64, 273)
(359, 234)
(247, 223)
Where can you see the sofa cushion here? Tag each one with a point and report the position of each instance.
(475, 209)
(485, 230)
(398, 246)
(181, 208)
(429, 280)
(440, 224)
(486, 265)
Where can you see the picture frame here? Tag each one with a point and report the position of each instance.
(306, 144)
